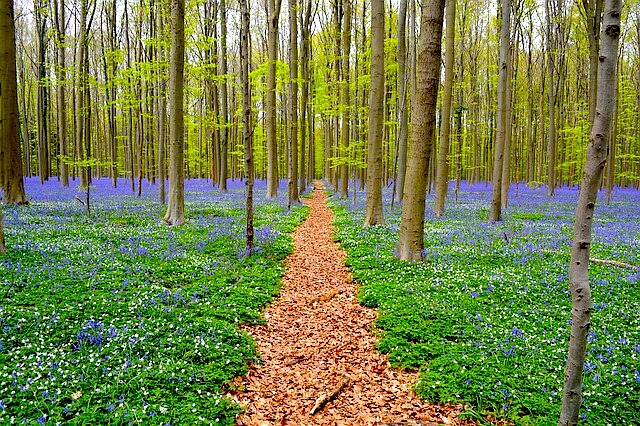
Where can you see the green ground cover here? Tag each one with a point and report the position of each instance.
(121, 319)
(485, 317)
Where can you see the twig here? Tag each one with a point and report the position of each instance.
(603, 261)
(326, 397)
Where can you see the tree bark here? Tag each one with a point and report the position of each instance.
(175, 207)
(403, 116)
(292, 192)
(501, 119)
(374, 215)
(345, 100)
(224, 110)
(442, 166)
(246, 121)
(11, 178)
(59, 18)
(423, 124)
(581, 304)
(43, 96)
(273, 16)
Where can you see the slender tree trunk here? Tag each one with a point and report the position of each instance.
(273, 16)
(592, 14)
(442, 166)
(305, 129)
(162, 115)
(581, 304)
(11, 178)
(43, 100)
(403, 116)
(505, 178)
(224, 111)
(175, 207)
(59, 18)
(292, 193)
(501, 119)
(423, 124)
(246, 120)
(374, 215)
(345, 100)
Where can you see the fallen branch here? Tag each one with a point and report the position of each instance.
(603, 261)
(326, 397)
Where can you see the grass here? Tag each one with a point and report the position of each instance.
(486, 317)
(122, 320)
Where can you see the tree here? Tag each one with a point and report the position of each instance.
(442, 167)
(11, 178)
(403, 116)
(581, 304)
(292, 192)
(40, 13)
(175, 207)
(501, 114)
(423, 124)
(374, 214)
(224, 112)
(59, 21)
(246, 120)
(273, 16)
(345, 101)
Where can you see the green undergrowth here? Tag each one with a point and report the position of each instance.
(485, 318)
(122, 319)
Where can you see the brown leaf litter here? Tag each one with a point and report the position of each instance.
(318, 352)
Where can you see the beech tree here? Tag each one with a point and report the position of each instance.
(273, 16)
(403, 116)
(292, 193)
(374, 215)
(11, 178)
(246, 120)
(423, 124)
(175, 207)
(442, 169)
(501, 115)
(581, 304)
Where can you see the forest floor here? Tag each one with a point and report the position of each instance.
(318, 344)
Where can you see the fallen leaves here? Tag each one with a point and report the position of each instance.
(319, 363)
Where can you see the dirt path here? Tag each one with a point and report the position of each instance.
(316, 336)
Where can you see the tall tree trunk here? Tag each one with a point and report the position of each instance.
(224, 111)
(162, 113)
(246, 121)
(374, 215)
(345, 100)
(592, 14)
(305, 53)
(43, 100)
(501, 119)
(423, 124)
(403, 116)
(505, 178)
(273, 16)
(11, 178)
(59, 20)
(581, 304)
(442, 166)
(175, 207)
(292, 193)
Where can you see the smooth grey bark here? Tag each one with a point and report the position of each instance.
(345, 100)
(43, 93)
(591, 11)
(273, 16)
(162, 116)
(374, 215)
(224, 97)
(442, 165)
(175, 206)
(403, 115)
(292, 190)
(59, 21)
(421, 133)
(246, 121)
(581, 304)
(501, 114)
(11, 178)
(306, 130)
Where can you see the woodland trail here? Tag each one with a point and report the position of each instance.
(316, 337)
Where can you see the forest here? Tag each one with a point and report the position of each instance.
(319, 212)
